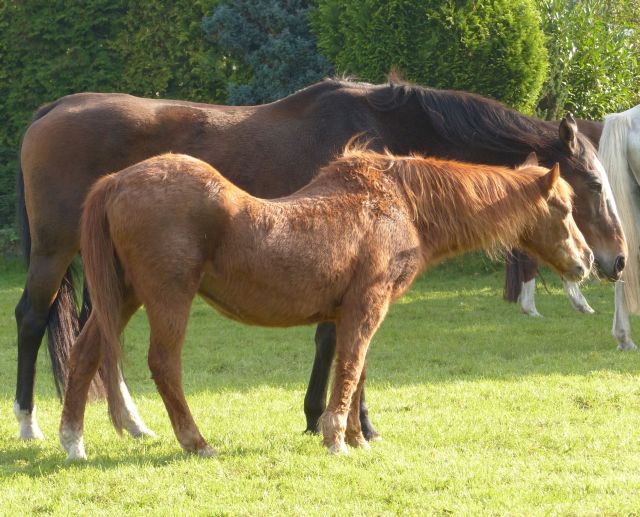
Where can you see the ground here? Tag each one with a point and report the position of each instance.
(483, 411)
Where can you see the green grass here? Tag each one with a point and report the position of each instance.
(483, 411)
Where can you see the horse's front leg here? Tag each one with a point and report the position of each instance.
(354, 434)
(355, 327)
(578, 302)
(316, 396)
(621, 327)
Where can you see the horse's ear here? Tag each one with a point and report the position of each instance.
(531, 161)
(569, 133)
(550, 178)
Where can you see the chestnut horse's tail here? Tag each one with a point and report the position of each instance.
(63, 324)
(102, 272)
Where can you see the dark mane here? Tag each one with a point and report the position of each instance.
(464, 118)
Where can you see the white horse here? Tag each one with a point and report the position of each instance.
(619, 153)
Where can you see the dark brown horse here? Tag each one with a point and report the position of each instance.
(341, 249)
(269, 151)
(521, 270)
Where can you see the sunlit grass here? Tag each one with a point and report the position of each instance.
(483, 411)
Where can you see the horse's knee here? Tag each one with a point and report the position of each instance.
(21, 308)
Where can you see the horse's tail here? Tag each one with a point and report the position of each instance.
(103, 273)
(63, 322)
(612, 153)
(513, 277)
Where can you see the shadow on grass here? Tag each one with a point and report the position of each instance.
(35, 461)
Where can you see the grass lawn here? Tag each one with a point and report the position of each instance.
(482, 410)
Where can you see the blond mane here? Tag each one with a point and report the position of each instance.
(612, 154)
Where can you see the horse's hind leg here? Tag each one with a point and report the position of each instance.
(168, 327)
(83, 365)
(32, 313)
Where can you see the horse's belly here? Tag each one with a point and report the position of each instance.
(248, 303)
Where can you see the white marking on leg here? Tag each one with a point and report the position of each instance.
(527, 299)
(28, 422)
(73, 443)
(621, 327)
(578, 301)
(130, 417)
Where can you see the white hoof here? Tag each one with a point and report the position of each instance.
(584, 308)
(532, 312)
(626, 346)
(29, 429)
(73, 443)
(207, 452)
(338, 448)
(140, 431)
(364, 446)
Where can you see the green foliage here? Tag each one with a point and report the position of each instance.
(493, 47)
(593, 62)
(165, 52)
(272, 43)
(53, 48)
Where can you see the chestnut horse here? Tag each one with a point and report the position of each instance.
(269, 151)
(341, 249)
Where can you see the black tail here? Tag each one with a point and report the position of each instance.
(64, 325)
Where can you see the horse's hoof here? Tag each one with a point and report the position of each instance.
(627, 346)
(533, 313)
(370, 434)
(29, 429)
(313, 431)
(206, 452)
(143, 432)
(76, 456)
(585, 309)
(31, 433)
(358, 442)
(373, 437)
(338, 448)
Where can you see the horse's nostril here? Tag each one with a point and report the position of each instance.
(619, 263)
(580, 270)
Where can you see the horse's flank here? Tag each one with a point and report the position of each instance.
(613, 155)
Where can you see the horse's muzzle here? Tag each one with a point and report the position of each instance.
(615, 272)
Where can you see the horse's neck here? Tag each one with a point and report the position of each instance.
(489, 212)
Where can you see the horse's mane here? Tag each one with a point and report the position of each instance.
(613, 156)
(464, 200)
(464, 118)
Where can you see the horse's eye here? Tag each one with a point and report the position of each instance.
(596, 186)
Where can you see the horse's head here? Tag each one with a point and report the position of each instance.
(594, 207)
(555, 238)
